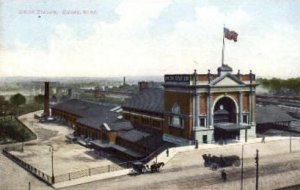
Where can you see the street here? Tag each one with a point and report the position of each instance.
(275, 171)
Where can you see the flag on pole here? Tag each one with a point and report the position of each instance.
(230, 35)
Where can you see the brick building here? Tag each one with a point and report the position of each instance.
(103, 127)
(204, 107)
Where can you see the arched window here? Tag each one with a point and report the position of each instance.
(175, 119)
(176, 108)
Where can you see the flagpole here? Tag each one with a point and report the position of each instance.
(223, 47)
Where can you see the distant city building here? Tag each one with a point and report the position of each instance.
(149, 84)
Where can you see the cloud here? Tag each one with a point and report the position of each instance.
(127, 47)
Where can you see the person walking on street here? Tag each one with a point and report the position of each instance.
(224, 175)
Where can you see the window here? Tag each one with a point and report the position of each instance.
(146, 121)
(175, 119)
(245, 118)
(176, 108)
(202, 122)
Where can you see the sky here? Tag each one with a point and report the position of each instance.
(111, 38)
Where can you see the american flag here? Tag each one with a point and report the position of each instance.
(230, 35)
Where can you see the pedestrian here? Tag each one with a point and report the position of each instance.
(196, 144)
(263, 139)
(224, 175)
(167, 152)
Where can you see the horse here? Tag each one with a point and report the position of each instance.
(156, 166)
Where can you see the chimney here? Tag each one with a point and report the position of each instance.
(124, 81)
(46, 99)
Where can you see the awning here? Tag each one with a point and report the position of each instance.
(231, 126)
(71, 137)
(101, 144)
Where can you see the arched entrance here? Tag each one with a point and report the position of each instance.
(224, 112)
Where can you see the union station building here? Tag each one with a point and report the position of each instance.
(206, 108)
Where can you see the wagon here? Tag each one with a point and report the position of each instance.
(140, 168)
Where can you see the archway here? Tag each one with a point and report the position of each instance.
(225, 111)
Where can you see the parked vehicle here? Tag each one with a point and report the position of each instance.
(139, 167)
(215, 162)
(46, 119)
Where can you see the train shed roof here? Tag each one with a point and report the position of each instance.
(271, 114)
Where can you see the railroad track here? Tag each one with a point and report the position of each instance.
(293, 102)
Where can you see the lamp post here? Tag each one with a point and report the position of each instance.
(52, 177)
(257, 170)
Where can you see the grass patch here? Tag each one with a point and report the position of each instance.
(12, 130)
(30, 107)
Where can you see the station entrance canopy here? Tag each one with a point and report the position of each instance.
(231, 126)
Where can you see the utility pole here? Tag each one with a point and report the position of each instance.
(257, 164)
(242, 169)
(52, 177)
(290, 143)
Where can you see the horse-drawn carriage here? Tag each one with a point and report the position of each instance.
(215, 162)
(140, 168)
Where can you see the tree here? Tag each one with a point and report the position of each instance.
(39, 99)
(17, 100)
(2, 99)
(4, 106)
(277, 85)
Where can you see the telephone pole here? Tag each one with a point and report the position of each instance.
(257, 164)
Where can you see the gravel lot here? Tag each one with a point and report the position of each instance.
(68, 157)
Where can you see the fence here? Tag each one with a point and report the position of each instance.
(64, 177)
(90, 172)
(41, 175)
